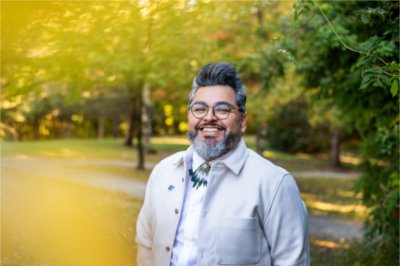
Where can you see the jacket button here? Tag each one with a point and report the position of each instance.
(167, 249)
(176, 211)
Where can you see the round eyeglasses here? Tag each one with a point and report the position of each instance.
(220, 110)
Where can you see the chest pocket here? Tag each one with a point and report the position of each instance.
(238, 241)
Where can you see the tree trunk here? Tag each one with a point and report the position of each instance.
(335, 148)
(261, 137)
(69, 127)
(100, 124)
(131, 124)
(146, 117)
(115, 127)
(139, 130)
(35, 127)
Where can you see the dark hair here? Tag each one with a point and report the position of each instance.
(220, 74)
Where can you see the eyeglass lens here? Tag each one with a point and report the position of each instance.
(221, 111)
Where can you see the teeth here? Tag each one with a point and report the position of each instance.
(208, 129)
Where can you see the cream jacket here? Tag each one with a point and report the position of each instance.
(252, 213)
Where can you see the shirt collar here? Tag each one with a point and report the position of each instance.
(197, 160)
(234, 160)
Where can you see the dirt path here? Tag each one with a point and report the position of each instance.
(327, 174)
(333, 229)
(67, 169)
(321, 227)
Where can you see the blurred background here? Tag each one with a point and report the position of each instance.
(94, 94)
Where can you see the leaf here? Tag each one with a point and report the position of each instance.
(301, 7)
(367, 78)
(374, 71)
(364, 61)
(326, 7)
(385, 80)
(378, 83)
(394, 88)
(366, 81)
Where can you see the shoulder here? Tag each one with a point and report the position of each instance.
(173, 159)
(264, 166)
(267, 175)
(166, 167)
(272, 179)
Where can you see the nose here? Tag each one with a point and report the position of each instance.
(210, 116)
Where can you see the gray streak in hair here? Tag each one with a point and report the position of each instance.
(220, 74)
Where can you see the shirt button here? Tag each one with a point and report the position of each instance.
(183, 180)
(176, 211)
(167, 249)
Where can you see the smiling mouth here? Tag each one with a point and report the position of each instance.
(210, 131)
(209, 128)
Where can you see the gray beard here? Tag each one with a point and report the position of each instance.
(210, 149)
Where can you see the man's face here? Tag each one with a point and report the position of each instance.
(212, 137)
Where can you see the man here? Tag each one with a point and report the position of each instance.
(219, 203)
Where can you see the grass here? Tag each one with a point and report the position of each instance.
(331, 197)
(71, 148)
(51, 221)
(113, 148)
(128, 172)
(54, 222)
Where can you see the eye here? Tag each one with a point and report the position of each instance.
(199, 109)
(222, 109)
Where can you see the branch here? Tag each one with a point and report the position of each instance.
(387, 73)
(342, 42)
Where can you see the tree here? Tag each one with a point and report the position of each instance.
(350, 52)
(90, 48)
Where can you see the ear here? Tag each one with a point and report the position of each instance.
(243, 125)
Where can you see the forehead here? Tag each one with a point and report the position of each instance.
(215, 94)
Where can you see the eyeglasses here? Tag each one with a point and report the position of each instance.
(220, 110)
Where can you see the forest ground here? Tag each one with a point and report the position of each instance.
(50, 185)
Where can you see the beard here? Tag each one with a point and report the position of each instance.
(211, 149)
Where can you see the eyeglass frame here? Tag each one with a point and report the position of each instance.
(229, 105)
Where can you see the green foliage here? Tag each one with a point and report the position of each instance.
(394, 89)
(380, 187)
(101, 54)
(350, 51)
(290, 130)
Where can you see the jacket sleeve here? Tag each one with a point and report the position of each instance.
(286, 225)
(144, 232)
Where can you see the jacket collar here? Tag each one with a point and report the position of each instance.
(233, 160)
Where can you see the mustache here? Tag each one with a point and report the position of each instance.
(209, 124)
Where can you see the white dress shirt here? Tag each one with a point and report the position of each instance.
(185, 249)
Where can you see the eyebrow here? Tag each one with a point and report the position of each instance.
(221, 102)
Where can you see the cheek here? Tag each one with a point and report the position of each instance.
(235, 126)
(192, 122)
